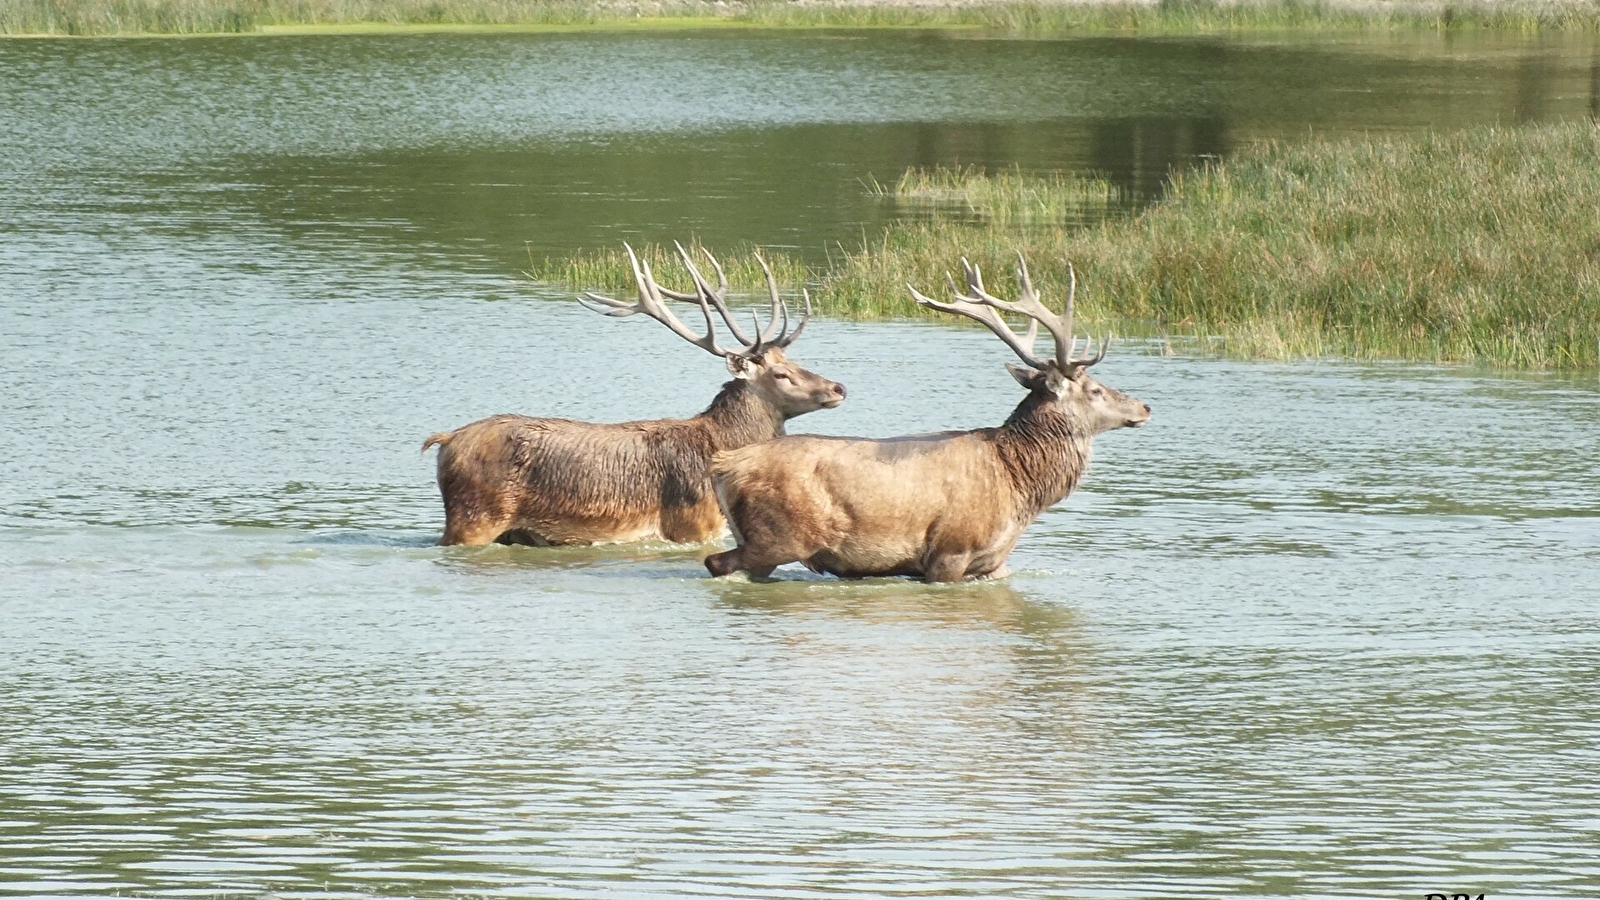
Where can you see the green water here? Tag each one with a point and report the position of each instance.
(1317, 630)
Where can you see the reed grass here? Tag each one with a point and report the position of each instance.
(1045, 19)
(1476, 247)
(1006, 198)
(1481, 246)
(1036, 18)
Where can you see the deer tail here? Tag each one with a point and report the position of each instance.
(439, 437)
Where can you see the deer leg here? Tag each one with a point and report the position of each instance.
(724, 563)
(946, 567)
(741, 559)
(474, 537)
(765, 541)
(469, 531)
(692, 524)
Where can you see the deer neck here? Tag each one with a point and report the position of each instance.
(1043, 451)
(739, 417)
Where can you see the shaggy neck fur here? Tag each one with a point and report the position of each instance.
(739, 417)
(1043, 451)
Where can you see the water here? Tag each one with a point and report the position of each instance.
(1317, 630)
(478, 148)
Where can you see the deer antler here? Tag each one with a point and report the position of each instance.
(652, 304)
(703, 292)
(978, 304)
(777, 335)
(652, 297)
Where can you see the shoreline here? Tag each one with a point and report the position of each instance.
(1028, 19)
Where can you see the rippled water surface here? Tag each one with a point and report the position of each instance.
(1317, 630)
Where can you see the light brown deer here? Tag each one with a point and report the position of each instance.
(520, 480)
(945, 506)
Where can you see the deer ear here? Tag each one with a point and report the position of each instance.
(1049, 379)
(740, 366)
(1028, 378)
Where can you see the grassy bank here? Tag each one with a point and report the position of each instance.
(1479, 247)
(1039, 19)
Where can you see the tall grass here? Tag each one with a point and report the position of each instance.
(1024, 17)
(111, 17)
(1481, 246)
(1043, 19)
(1002, 199)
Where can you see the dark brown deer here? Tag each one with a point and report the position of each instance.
(515, 479)
(945, 506)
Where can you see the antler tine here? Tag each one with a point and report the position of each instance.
(979, 304)
(974, 284)
(722, 277)
(606, 306)
(704, 293)
(982, 297)
(651, 304)
(709, 342)
(1031, 335)
(788, 339)
(1023, 280)
(1070, 358)
(1058, 324)
(1065, 357)
(1031, 312)
(974, 277)
(784, 306)
(773, 329)
(1105, 344)
(977, 295)
(652, 297)
(680, 295)
(610, 306)
(982, 312)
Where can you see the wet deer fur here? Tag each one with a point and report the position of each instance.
(946, 506)
(517, 479)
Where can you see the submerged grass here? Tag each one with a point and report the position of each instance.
(1037, 18)
(1480, 247)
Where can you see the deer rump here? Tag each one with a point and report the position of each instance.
(558, 481)
(858, 507)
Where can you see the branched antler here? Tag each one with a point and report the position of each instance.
(652, 303)
(978, 304)
(653, 297)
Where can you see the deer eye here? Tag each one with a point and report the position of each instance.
(781, 376)
(1096, 392)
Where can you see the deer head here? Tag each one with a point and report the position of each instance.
(788, 388)
(1092, 406)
